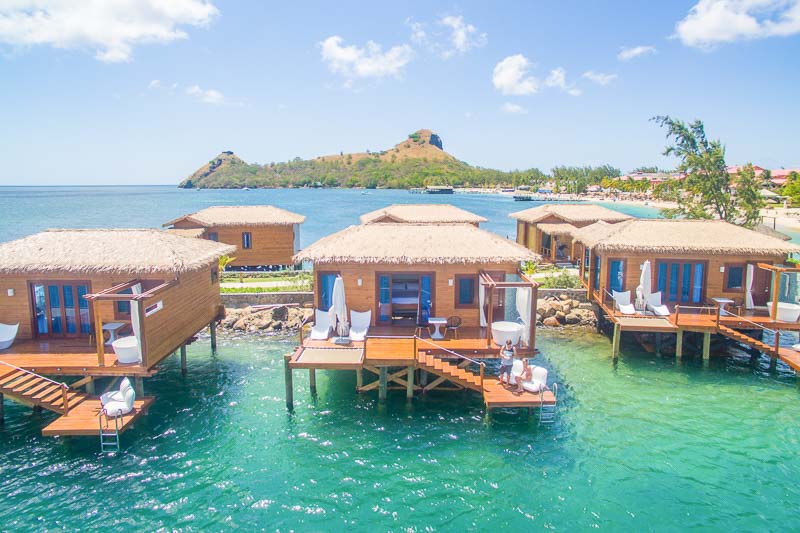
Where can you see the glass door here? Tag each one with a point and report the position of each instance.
(60, 309)
(681, 282)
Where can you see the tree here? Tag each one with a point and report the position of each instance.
(748, 196)
(792, 187)
(707, 182)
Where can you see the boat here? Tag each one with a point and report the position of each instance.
(523, 197)
(438, 189)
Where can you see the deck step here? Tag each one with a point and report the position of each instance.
(746, 339)
(450, 371)
(29, 388)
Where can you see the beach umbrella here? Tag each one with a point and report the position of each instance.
(339, 307)
(644, 281)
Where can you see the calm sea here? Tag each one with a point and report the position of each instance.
(647, 444)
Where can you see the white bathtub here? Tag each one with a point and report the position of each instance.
(127, 350)
(786, 312)
(503, 330)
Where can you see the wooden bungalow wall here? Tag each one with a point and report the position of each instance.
(364, 297)
(271, 245)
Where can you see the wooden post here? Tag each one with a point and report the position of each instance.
(98, 334)
(706, 346)
(382, 384)
(359, 379)
(287, 378)
(658, 344)
(679, 343)
(138, 386)
(183, 359)
(2, 409)
(89, 388)
(490, 316)
(423, 377)
(410, 382)
(312, 381)
(776, 289)
(615, 341)
(212, 329)
(532, 320)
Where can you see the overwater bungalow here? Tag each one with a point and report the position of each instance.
(94, 304)
(425, 300)
(422, 214)
(704, 276)
(548, 229)
(264, 236)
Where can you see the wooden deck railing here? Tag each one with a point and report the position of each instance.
(481, 364)
(64, 387)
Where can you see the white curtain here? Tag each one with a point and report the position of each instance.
(481, 300)
(748, 293)
(524, 310)
(136, 319)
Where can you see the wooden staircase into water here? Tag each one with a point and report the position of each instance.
(747, 339)
(447, 371)
(33, 390)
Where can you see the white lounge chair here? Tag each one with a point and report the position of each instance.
(322, 326)
(538, 383)
(359, 324)
(654, 304)
(622, 302)
(8, 333)
(119, 402)
(516, 371)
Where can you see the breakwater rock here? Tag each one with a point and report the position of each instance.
(280, 318)
(560, 311)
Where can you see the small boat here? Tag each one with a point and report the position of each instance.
(523, 197)
(245, 188)
(438, 189)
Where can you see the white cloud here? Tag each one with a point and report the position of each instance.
(369, 61)
(711, 22)
(463, 37)
(513, 109)
(599, 78)
(511, 77)
(155, 84)
(206, 96)
(111, 28)
(558, 79)
(418, 33)
(628, 53)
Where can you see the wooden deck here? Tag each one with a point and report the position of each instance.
(496, 395)
(82, 420)
(68, 357)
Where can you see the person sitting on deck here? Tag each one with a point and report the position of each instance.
(507, 354)
(525, 376)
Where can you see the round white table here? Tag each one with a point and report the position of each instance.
(437, 323)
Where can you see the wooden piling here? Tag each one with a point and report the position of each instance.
(212, 329)
(706, 347)
(679, 344)
(312, 381)
(138, 386)
(615, 341)
(658, 344)
(183, 359)
(359, 379)
(382, 385)
(287, 378)
(89, 387)
(2, 409)
(423, 377)
(410, 382)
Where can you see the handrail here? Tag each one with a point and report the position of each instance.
(35, 374)
(743, 319)
(438, 347)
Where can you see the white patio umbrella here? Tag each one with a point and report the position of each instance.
(339, 307)
(644, 281)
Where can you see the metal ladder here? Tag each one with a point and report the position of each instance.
(109, 441)
(547, 413)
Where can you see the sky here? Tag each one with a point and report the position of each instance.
(145, 92)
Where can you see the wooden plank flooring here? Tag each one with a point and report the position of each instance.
(68, 357)
(82, 420)
(496, 395)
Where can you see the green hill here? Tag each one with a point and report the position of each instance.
(416, 162)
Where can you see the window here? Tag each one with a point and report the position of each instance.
(213, 236)
(616, 275)
(586, 265)
(681, 282)
(734, 277)
(247, 240)
(466, 289)
(122, 308)
(596, 277)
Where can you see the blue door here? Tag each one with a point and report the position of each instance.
(681, 282)
(425, 302)
(616, 276)
(326, 282)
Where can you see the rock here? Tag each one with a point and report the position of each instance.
(566, 308)
(585, 305)
(240, 325)
(539, 318)
(564, 297)
(551, 311)
(560, 316)
(280, 313)
(551, 322)
(572, 318)
(575, 304)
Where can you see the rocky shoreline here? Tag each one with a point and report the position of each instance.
(551, 312)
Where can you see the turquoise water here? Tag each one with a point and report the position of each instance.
(649, 444)
(26, 210)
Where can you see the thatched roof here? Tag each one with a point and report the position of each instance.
(195, 233)
(108, 251)
(766, 230)
(713, 237)
(558, 229)
(415, 244)
(422, 214)
(574, 213)
(241, 215)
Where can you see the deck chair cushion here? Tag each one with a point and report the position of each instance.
(655, 305)
(539, 381)
(359, 324)
(516, 371)
(322, 325)
(622, 300)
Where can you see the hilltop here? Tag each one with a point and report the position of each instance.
(416, 161)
